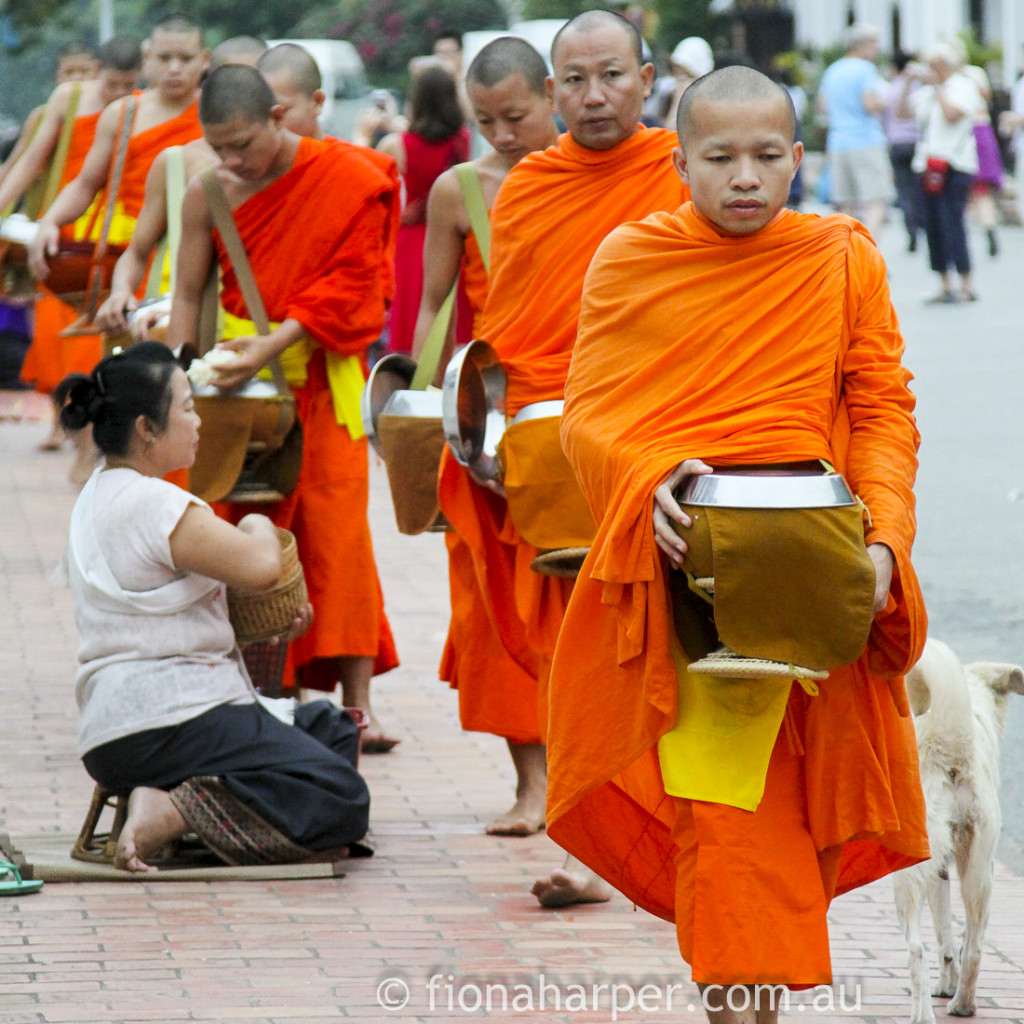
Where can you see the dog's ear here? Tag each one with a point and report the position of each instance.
(1015, 680)
(1001, 679)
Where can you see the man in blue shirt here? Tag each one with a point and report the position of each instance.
(851, 96)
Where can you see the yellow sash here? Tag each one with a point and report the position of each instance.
(344, 373)
(720, 746)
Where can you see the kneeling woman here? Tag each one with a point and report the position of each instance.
(167, 712)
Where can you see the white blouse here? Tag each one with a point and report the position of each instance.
(156, 647)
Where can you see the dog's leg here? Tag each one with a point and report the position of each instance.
(908, 889)
(975, 866)
(942, 918)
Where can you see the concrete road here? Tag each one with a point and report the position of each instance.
(968, 361)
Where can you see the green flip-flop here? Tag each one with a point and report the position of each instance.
(11, 882)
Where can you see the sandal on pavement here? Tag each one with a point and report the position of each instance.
(943, 298)
(968, 296)
(14, 885)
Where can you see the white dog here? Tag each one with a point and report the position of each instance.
(959, 713)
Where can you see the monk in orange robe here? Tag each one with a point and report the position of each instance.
(734, 332)
(165, 115)
(315, 219)
(486, 657)
(50, 357)
(553, 211)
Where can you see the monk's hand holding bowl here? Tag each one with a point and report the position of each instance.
(46, 243)
(667, 510)
(496, 486)
(883, 560)
(111, 318)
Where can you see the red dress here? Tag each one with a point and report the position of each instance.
(425, 162)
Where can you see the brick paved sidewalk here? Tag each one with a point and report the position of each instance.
(438, 899)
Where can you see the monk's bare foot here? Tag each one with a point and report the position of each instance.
(563, 888)
(525, 818)
(153, 821)
(375, 739)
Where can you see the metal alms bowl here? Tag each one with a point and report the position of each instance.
(392, 373)
(473, 408)
(755, 490)
(539, 411)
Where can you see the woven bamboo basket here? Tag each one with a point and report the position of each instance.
(259, 617)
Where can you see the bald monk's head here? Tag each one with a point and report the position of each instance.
(120, 66)
(294, 79)
(175, 58)
(507, 88)
(241, 120)
(736, 148)
(76, 62)
(237, 50)
(600, 81)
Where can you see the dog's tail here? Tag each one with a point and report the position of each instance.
(937, 685)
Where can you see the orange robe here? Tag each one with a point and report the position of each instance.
(774, 347)
(553, 210)
(316, 238)
(144, 148)
(50, 357)
(486, 658)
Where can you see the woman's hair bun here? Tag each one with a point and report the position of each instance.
(81, 400)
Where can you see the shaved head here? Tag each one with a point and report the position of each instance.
(178, 24)
(590, 21)
(731, 85)
(237, 50)
(235, 91)
(121, 53)
(294, 61)
(505, 57)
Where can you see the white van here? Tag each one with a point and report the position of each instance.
(344, 82)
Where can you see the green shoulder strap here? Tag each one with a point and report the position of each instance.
(171, 241)
(60, 155)
(480, 222)
(476, 207)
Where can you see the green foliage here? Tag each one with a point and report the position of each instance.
(677, 19)
(979, 53)
(29, 21)
(389, 33)
(559, 8)
(222, 20)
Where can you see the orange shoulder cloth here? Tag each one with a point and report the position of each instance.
(553, 211)
(144, 148)
(316, 238)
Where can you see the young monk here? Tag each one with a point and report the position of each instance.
(165, 116)
(51, 358)
(76, 62)
(734, 332)
(554, 209)
(486, 658)
(130, 270)
(315, 219)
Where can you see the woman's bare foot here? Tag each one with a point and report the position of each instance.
(569, 884)
(153, 821)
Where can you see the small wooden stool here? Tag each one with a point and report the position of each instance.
(100, 848)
